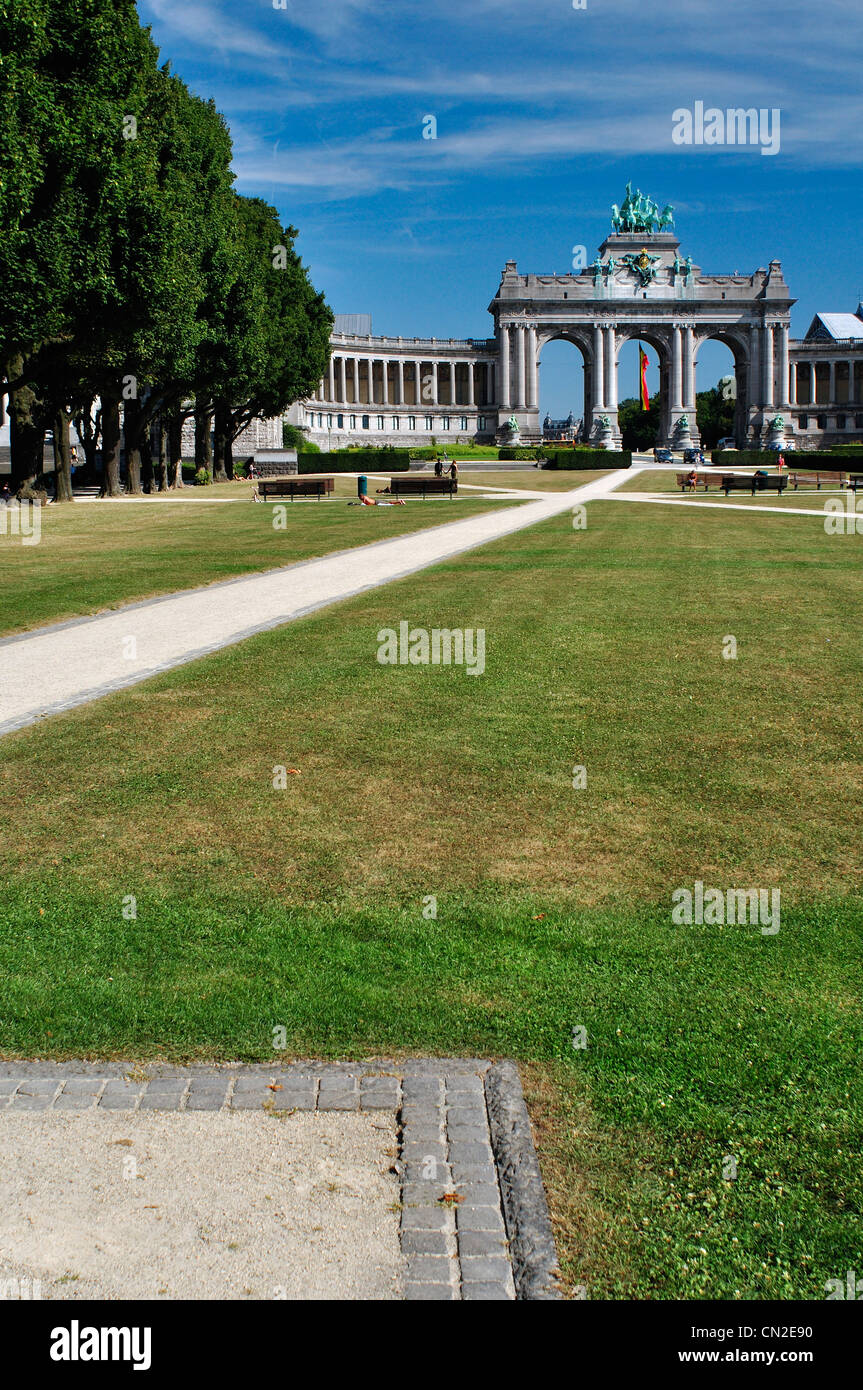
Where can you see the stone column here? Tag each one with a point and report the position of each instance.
(505, 393)
(520, 367)
(418, 384)
(532, 378)
(611, 367)
(331, 379)
(598, 369)
(689, 374)
(471, 384)
(832, 388)
(784, 384)
(401, 381)
(435, 384)
(676, 368)
(767, 367)
(754, 369)
(343, 381)
(792, 386)
(356, 371)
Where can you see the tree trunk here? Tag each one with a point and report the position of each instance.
(147, 458)
(203, 443)
(175, 447)
(221, 443)
(25, 430)
(111, 443)
(229, 455)
(161, 453)
(62, 458)
(132, 440)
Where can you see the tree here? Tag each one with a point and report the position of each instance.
(639, 428)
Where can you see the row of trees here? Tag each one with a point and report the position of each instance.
(137, 288)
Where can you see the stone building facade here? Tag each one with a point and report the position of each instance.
(409, 391)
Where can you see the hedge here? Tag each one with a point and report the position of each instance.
(356, 461)
(757, 458)
(576, 459)
(512, 453)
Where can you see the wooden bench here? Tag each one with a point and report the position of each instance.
(295, 487)
(683, 481)
(736, 482)
(424, 483)
(817, 478)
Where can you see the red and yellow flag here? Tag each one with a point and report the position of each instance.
(642, 362)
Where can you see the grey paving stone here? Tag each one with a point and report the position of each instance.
(8, 1085)
(164, 1085)
(473, 1115)
(416, 1172)
(459, 1088)
(118, 1101)
(216, 1084)
(471, 1173)
(423, 1194)
(434, 1218)
(430, 1293)
(430, 1269)
(22, 1102)
(338, 1100)
(378, 1094)
(75, 1100)
(160, 1100)
(39, 1086)
(426, 1242)
(479, 1219)
(250, 1100)
(205, 1100)
(487, 1293)
(482, 1243)
(83, 1085)
(468, 1134)
(294, 1100)
(420, 1150)
(485, 1269)
(260, 1080)
(480, 1194)
(470, 1154)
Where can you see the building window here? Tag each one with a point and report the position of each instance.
(821, 422)
(840, 422)
(365, 422)
(429, 423)
(340, 420)
(329, 422)
(803, 422)
(380, 422)
(445, 423)
(320, 421)
(395, 422)
(353, 422)
(480, 424)
(463, 425)
(412, 422)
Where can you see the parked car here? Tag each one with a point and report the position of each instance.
(784, 446)
(728, 444)
(663, 456)
(694, 457)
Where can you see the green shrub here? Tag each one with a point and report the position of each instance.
(295, 438)
(383, 460)
(203, 477)
(513, 454)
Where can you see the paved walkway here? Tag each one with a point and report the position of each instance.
(60, 667)
(466, 1195)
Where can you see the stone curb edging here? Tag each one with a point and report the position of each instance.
(531, 1242)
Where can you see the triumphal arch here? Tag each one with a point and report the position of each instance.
(639, 286)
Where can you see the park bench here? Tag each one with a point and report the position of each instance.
(294, 487)
(738, 482)
(683, 481)
(424, 483)
(817, 478)
(855, 481)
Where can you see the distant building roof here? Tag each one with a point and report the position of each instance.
(825, 326)
(360, 325)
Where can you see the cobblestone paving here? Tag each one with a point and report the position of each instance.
(453, 1234)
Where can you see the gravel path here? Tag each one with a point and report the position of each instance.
(57, 668)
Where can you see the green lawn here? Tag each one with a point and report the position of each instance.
(98, 555)
(303, 908)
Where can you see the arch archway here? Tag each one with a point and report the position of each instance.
(661, 363)
(556, 371)
(709, 374)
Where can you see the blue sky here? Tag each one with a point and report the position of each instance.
(543, 113)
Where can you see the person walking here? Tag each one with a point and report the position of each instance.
(453, 470)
